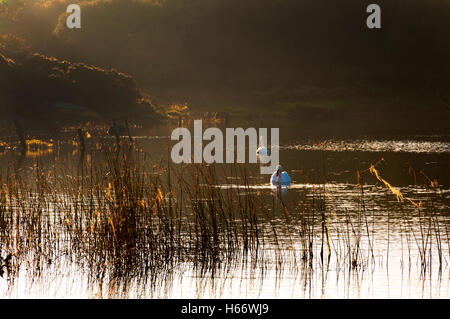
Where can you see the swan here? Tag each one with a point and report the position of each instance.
(280, 178)
(262, 150)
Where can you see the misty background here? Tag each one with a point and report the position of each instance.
(288, 56)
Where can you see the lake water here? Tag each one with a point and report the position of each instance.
(401, 251)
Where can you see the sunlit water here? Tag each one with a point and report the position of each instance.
(391, 264)
(406, 146)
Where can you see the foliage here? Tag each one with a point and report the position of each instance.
(34, 83)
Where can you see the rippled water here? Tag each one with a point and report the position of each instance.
(391, 255)
(368, 145)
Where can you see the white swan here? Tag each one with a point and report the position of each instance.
(280, 178)
(262, 150)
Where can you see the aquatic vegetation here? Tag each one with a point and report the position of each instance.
(37, 147)
(394, 190)
(3, 147)
(176, 110)
(36, 143)
(120, 216)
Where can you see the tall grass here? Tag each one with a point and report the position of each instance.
(118, 214)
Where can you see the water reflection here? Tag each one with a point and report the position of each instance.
(369, 145)
(328, 235)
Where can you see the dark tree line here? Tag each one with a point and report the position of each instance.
(286, 50)
(38, 87)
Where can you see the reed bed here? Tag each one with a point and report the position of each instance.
(120, 215)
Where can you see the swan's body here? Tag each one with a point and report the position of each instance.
(262, 152)
(280, 178)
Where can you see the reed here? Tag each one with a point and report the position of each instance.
(117, 214)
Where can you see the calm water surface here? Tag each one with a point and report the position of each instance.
(391, 264)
